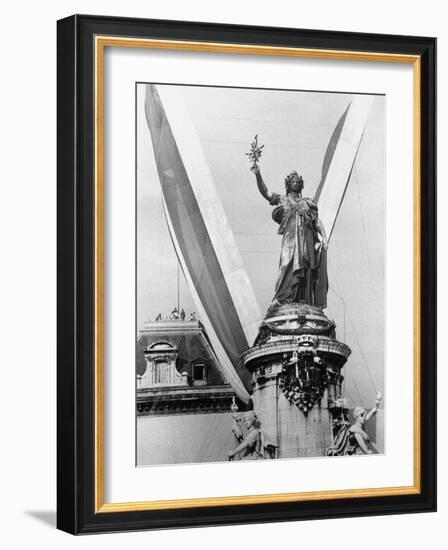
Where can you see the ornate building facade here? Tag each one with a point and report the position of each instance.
(178, 372)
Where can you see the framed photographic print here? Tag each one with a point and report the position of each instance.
(246, 274)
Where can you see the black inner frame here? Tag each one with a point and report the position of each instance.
(76, 262)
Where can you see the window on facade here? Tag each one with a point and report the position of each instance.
(161, 373)
(200, 373)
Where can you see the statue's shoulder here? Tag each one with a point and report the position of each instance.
(311, 203)
(276, 199)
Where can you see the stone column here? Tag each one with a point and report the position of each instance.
(296, 367)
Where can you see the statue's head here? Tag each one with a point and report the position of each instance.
(293, 183)
(249, 419)
(359, 414)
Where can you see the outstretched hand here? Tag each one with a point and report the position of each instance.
(255, 169)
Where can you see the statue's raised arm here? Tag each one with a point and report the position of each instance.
(375, 408)
(254, 156)
(261, 184)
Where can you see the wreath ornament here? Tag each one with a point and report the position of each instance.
(304, 377)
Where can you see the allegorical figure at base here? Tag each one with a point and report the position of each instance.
(253, 443)
(302, 273)
(354, 440)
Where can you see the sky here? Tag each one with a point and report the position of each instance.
(295, 128)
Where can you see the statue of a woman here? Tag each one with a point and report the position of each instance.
(254, 445)
(360, 441)
(251, 447)
(354, 440)
(302, 273)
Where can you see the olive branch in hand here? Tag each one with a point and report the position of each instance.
(255, 152)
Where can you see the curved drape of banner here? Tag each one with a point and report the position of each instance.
(339, 159)
(196, 250)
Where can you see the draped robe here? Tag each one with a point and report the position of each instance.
(302, 273)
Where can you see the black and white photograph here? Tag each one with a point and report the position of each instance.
(222, 241)
(260, 274)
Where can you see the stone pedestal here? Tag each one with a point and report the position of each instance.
(296, 365)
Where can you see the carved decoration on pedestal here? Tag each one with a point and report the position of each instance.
(304, 377)
(297, 343)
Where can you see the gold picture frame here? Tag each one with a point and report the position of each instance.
(102, 33)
